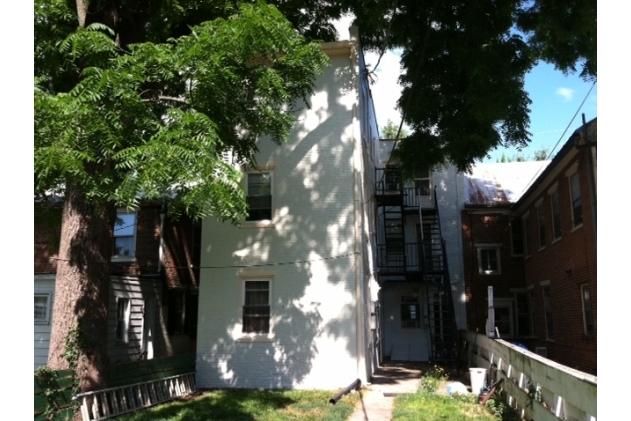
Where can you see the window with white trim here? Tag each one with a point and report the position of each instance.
(556, 214)
(256, 306)
(541, 220)
(575, 197)
(489, 259)
(410, 312)
(42, 309)
(422, 185)
(588, 320)
(259, 195)
(123, 317)
(547, 306)
(124, 235)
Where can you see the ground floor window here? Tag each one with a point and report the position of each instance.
(410, 312)
(547, 305)
(256, 306)
(123, 316)
(588, 320)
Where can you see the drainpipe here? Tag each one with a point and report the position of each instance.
(357, 170)
(161, 246)
(590, 174)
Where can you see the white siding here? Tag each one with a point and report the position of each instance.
(44, 284)
(309, 254)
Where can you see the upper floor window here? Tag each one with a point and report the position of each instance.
(124, 235)
(575, 196)
(259, 196)
(489, 259)
(541, 219)
(556, 215)
(527, 246)
(422, 185)
(517, 238)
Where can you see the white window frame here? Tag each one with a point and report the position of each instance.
(418, 185)
(46, 319)
(132, 256)
(554, 199)
(541, 225)
(260, 223)
(409, 300)
(488, 247)
(587, 312)
(255, 336)
(547, 310)
(505, 303)
(125, 319)
(575, 176)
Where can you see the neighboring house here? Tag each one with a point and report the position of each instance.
(537, 250)
(153, 290)
(419, 261)
(285, 299)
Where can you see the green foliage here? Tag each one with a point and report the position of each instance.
(155, 120)
(389, 131)
(431, 380)
(463, 70)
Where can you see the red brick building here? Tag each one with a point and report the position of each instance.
(154, 282)
(539, 254)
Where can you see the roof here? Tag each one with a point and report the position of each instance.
(500, 183)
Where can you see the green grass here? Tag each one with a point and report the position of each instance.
(427, 406)
(251, 405)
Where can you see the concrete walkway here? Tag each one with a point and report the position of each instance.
(388, 382)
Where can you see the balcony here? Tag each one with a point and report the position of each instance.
(391, 191)
(405, 258)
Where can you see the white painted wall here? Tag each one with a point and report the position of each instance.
(318, 337)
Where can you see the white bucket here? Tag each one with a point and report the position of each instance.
(478, 376)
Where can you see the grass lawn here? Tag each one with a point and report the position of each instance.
(428, 406)
(251, 405)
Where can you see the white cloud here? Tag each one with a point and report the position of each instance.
(566, 93)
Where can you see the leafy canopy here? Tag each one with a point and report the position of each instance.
(154, 118)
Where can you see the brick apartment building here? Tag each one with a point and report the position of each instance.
(154, 282)
(538, 252)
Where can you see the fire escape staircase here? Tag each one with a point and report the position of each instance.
(425, 261)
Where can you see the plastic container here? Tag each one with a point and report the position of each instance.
(478, 377)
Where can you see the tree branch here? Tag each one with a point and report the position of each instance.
(166, 98)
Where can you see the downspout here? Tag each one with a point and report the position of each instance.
(357, 167)
(161, 246)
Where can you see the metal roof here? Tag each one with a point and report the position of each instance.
(500, 183)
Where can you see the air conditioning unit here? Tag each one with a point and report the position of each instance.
(542, 350)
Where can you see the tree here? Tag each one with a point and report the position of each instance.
(463, 66)
(390, 131)
(123, 110)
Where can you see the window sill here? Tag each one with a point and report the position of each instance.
(123, 259)
(262, 338)
(556, 240)
(258, 224)
(541, 249)
(489, 273)
(576, 228)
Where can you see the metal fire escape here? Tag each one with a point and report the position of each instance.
(422, 261)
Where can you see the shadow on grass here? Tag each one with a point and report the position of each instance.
(249, 405)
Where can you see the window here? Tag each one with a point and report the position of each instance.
(503, 309)
(588, 320)
(256, 306)
(123, 316)
(556, 215)
(526, 236)
(575, 191)
(489, 259)
(410, 312)
(517, 238)
(182, 312)
(393, 179)
(547, 305)
(524, 315)
(533, 310)
(422, 185)
(541, 219)
(124, 235)
(259, 196)
(42, 308)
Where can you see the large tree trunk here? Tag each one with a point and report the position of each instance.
(82, 290)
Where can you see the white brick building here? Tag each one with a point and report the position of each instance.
(285, 299)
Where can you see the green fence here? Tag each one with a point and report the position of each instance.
(53, 389)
